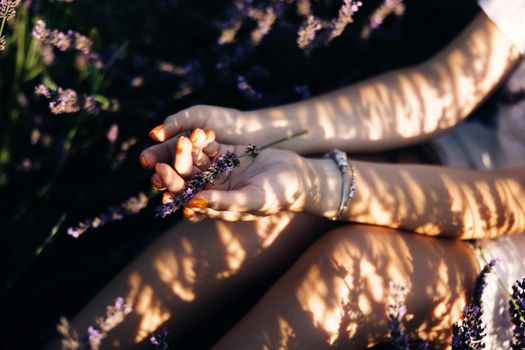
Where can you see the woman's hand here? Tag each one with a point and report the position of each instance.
(230, 126)
(271, 183)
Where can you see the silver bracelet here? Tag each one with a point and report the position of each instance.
(348, 189)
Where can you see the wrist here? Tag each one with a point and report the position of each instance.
(322, 183)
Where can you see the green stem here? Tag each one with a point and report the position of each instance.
(284, 139)
(2, 27)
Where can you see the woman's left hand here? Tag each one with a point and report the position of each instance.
(272, 182)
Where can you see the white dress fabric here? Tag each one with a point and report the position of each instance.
(475, 145)
(509, 16)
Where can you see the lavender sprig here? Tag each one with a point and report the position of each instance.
(130, 207)
(92, 339)
(223, 165)
(396, 311)
(469, 333)
(517, 313)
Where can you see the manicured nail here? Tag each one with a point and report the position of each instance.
(157, 133)
(144, 162)
(210, 135)
(167, 198)
(180, 144)
(155, 181)
(198, 135)
(199, 203)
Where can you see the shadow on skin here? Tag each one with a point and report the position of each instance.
(336, 295)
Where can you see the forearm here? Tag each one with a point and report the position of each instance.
(403, 106)
(434, 201)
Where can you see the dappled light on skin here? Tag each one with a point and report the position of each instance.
(269, 230)
(152, 314)
(286, 335)
(234, 251)
(178, 273)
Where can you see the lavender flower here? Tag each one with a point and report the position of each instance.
(517, 313)
(61, 40)
(345, 17)
(381, 13)
(307, 32)
(247, 89)
(396, 311)
(160, 340)
(265, 21)
(469, 333)
(92, 340)
(480, 283)
(7, 13)
(8, 9)
(221, 166)
(65, 101)
(130, 207)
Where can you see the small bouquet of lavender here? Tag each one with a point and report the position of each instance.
(224, 164)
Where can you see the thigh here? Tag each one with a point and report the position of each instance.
(195, 270)
(337, 293)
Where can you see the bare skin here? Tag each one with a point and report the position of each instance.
(179, 280)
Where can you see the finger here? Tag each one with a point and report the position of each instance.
(226, 215)
(184, 159)
(187, 119)
(246, 199)
(167, 198)
(156, 182)
(212, 149)
(192, 216)
(169, 177)
(161, 153)
(199, 140)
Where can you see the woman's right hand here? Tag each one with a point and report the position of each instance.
(230, 126)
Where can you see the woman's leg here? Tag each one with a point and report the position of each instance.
(338, 291)
(194, 271)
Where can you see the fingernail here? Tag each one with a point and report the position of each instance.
(180, 144)
(199, 203)
(197, 135)
(157, 133)
(210, 135)
(167, 198)
(144, 162)
(155, 181)
(157, 167)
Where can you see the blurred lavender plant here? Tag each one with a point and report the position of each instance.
(7, 13)
(517, 313)
(130, 207)
(160, 339)
(64, 101)
(469, 332)
(377, 18)
(64, 41)
(92, 339)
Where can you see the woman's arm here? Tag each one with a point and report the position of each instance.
(435, 201)
(400, 107)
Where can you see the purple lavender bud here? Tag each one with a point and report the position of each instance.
(221, 166)
(517, 314)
